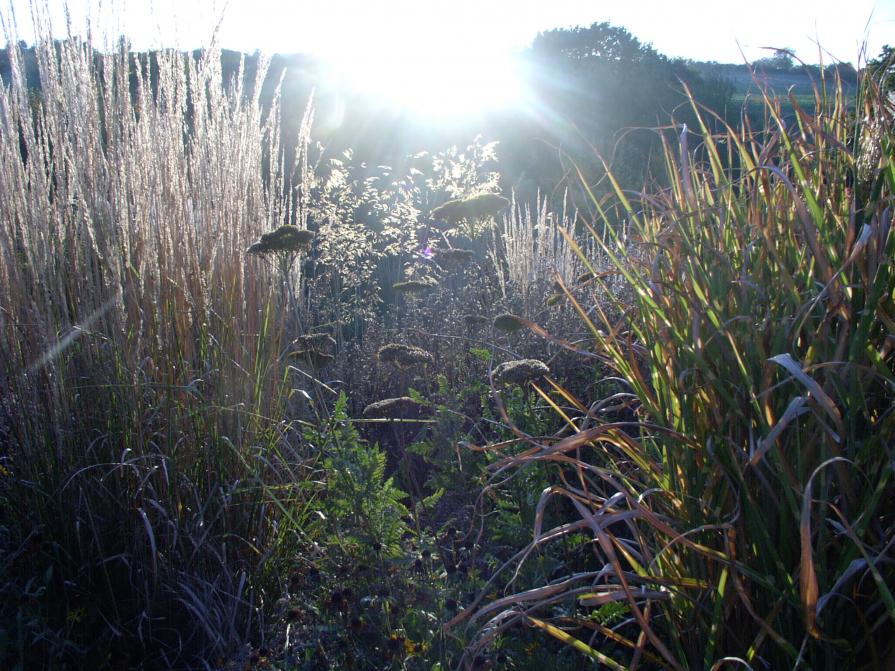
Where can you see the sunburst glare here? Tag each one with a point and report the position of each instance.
(436, 75)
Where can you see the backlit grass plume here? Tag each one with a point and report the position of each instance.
(140, 370)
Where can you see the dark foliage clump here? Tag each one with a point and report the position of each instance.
(286, 239)
(508, 322)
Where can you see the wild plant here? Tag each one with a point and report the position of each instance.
(528, 249)
(148, 472)
(735, 485)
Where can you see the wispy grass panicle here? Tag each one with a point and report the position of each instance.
(529, 248)
(140, 372)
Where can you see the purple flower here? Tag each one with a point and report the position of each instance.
(428, 252)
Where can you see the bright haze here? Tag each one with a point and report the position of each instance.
(450, 58)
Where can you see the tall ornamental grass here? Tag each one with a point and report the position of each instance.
(146, 471)
(743, 515)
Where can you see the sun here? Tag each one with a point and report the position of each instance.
(441, 73)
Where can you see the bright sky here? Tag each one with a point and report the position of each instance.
(698, 29)
(377, 43)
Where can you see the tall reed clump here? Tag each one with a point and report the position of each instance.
(744, 516)
(146, 470)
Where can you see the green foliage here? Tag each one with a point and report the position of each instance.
(882, 68)
(732, 514)
(364, 507)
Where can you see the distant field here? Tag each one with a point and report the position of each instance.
(786, 88)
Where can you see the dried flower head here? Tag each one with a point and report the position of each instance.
(402, 407)
(452, 259)
(288, 239)
(403, 356)
(520, 371)
(414, 286)
(313, 358)
(321, 342)
(508, 322)
(476, 207)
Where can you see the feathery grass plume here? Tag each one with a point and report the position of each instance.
(403, 356)
(413, 287)
(533, 243)
(508, 323)
(130, 281)
(520, 371)
(287, 239)
(402, 407)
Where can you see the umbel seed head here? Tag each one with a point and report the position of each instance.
(452, 259)
(402, 407)
(520, 371)
(476, 207)
(403, 356)
(322, 342)
(414, 286)
(288, 239)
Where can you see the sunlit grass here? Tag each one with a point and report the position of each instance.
(743, 511)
